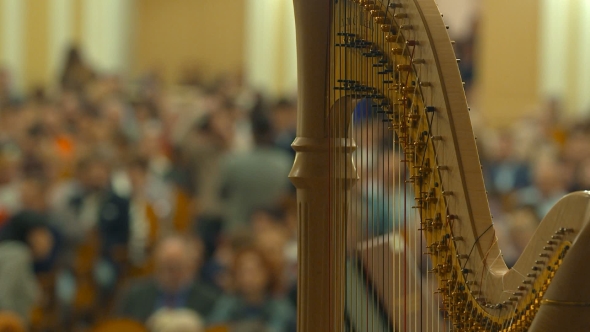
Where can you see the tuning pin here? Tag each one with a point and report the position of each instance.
(563, 230)
(403, 67)
(381, 19)
(397, 50)
(391, 38)
(386, 27)
(400, 15)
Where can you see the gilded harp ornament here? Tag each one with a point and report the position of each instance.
(395, 231)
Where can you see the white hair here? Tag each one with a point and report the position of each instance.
(175, 320)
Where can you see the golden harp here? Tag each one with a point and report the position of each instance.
(378, 69)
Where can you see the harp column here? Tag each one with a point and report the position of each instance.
(321, 228)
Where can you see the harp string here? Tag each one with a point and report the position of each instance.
(339, 154)
(385, 195)
(337, 151)
(407, 228)
(386, 179)
(371, 176)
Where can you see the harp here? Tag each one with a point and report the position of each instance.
(381, 75)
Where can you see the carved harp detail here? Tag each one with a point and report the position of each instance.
(440, 267)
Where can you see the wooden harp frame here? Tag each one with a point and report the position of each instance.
(546, 290)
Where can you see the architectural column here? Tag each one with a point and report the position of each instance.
(271, 63)
(564, 53)
(12, 31)
(106, 34)
(60, 35)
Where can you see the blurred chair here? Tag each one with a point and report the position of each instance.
(184, 211)
(10, 322)
(85, 297)
(119, 325)
(44, 315)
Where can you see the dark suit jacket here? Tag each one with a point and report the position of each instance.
(112, 221)
(141, 298)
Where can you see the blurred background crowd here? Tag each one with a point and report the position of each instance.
(169, 204)
(189, 190)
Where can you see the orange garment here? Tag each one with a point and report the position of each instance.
(65, 147)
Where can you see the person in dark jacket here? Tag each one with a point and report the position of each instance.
(173, 286)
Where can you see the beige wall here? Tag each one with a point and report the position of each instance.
(37, 44)
(168, 35)
(174, 34)
(508, 61)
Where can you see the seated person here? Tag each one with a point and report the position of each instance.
(252, 301)
(174, 284)
(25, 239)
